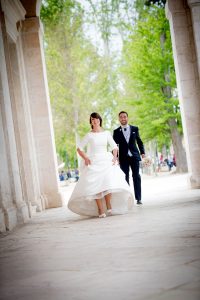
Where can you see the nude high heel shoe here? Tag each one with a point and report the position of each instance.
(109, 212)
(102, 215)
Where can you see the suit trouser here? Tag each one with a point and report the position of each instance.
(135, 167)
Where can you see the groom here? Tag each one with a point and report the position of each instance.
(126, 137)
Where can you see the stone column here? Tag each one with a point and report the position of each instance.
(12, 200)
(195, 13)
(188, 83)
(40, 110)
(8, 211)
(24, 132)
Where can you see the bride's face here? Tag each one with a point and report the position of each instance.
(95, 122)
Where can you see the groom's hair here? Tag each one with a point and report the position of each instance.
(123, 112)
(95, 115)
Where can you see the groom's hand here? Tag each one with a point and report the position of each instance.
(143, 155)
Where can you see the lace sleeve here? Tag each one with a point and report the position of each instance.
(111, 142)
(83, 142)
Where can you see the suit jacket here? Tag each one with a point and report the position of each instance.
(135, 142)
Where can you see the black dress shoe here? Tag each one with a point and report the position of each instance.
(139, 202)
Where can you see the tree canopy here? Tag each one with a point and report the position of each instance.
(86, 76)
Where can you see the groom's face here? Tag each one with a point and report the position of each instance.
(123, 119)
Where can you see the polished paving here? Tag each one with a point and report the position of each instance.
(151, 253)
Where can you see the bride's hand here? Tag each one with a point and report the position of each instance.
(87, 161)
(115, 160)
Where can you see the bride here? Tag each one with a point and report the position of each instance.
(102, 189)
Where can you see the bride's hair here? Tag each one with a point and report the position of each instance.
(95, 115)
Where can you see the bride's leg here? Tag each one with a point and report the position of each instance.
(100, 206)
(107, 199)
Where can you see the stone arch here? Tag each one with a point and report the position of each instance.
(32, 7)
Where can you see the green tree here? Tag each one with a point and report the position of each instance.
(80, 79)
(150, 81)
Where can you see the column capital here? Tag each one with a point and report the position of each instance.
(193, 3)
(174, 7)
(31, 25)
(13, 12)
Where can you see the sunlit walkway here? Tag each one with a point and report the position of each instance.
(151, 253)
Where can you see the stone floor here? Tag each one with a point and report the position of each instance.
(151, 253)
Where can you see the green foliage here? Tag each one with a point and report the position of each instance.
(80, 80)
(83, 79)
(51, 11)
(149, 74)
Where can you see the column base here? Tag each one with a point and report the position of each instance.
(53, 200)
(2, 222)
(36, 205)
(194, 181)
(10, 216)
(22, 213)
(13, 216)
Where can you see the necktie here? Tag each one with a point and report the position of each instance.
(126, 134)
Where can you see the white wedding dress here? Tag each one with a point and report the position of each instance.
(100, 178)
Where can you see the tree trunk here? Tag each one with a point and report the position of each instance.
(181, 162)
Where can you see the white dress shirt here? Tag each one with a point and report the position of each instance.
(127, 132)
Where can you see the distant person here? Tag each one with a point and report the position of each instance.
(127, 138)
(161, 159)
(76, 174)
(62, 176)
(174, 160)
(101, 189)
(69, 175)
(170, 163)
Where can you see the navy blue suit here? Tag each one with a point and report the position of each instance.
(127, 161)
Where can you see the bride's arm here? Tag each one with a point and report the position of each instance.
(80, 148)
(114, 148)
(115, 154)
(84, 156)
